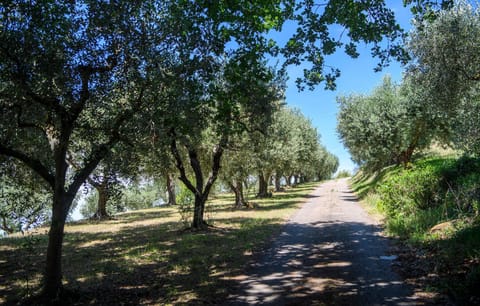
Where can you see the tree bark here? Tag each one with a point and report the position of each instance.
(52, 285)
(237, 188)
(171, 189)
(198, 213)
(62, 201)
(199, 208)
(278, 187)
(262, 187)
(101, 212)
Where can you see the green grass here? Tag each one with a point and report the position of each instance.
(363, 183)
(434, 190)
(146, 256)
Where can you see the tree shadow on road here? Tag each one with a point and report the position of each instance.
(325, 263)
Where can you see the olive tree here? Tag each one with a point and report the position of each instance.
(71, 72)
(446, 71)
(225, 109)
(385, 127)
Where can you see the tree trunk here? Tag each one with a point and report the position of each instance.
(278, 187)
(198, 213)
(296, 180)
(262, 187)
(237, 188)
(101, 212)
(289, 180)
(406, 156)
(52, 282)
(171, 189)
(53, 274)
(200, 190)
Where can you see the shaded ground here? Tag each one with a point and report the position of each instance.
(329, 253)
(146, 257)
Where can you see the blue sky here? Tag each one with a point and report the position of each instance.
(357, 77)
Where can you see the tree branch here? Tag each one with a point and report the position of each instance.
(78, 168)
(86, 71)
(179, 164)
(102, 150)
(20, 78)
(31, 162)
(21, 124)
(197, 168)
(217, 156)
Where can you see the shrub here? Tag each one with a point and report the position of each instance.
(428, 192)
(409, 190)
(185, 202)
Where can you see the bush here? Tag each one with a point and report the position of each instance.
(463, 185)
(185, 203)
(409, 190)
(429, 192)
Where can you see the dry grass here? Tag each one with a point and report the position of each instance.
(146, 256)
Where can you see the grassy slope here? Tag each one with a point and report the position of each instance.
(434, 191)
(144, 257)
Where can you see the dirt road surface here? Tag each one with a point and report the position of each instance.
(331, 252)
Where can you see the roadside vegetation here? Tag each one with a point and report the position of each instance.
(433, 206)
(429, 197)
(147, 256)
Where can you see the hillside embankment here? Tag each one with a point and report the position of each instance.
(433, 206)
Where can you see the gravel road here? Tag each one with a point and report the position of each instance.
(331, 252)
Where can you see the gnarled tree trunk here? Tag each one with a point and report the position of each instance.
(101, 212)
(262, 186)
(103, 197)
(237, 188)
(200, 189)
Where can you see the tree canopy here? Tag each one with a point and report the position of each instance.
(446, 72)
